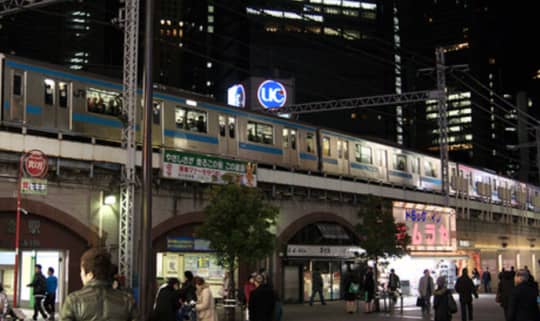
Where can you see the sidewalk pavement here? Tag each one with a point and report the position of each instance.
(484, 309)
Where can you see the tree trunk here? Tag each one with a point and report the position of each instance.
(230, 310)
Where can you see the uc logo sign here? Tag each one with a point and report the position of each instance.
(272, 94)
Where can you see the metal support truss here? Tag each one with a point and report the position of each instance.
(130, 19)
(443, 122)
(363, 102)
(8, 7)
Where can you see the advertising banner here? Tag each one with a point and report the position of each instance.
(432, 228)
(207, 169)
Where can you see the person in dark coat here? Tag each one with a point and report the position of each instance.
(351, 288)
(465, 288)
(369, 288)
(440, 301)
(504, 290)
(316, 286)
(486, 280)
(522, 303)
(262, 301)
(167, 301)
(40, 288)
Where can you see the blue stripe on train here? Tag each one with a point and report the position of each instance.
(96, 120)
(364, 167)
(6, 105)
(330, 161)
(262, 149)
(432, 180)
(190, 136)
(400, 174)
(307, 156)
(34, 110)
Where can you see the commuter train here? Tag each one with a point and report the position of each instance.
(48, 98)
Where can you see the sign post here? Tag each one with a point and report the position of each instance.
(34, 164)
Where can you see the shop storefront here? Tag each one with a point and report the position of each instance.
(302, 259)
(190, 254)
(433, 245)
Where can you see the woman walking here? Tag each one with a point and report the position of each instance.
(205, 307)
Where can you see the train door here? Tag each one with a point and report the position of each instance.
(227, 135)
(382, 163)
(290, 152)
(63, 106)
(49, 98)
(17, 99)
(157, 130)
(343, 156)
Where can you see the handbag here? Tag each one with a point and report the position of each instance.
(354, 288)
(452, 305)
(420, 302)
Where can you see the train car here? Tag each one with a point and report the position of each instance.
(45, 97)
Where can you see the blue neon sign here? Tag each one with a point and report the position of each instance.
(272, 94)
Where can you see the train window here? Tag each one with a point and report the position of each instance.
(285, 137)
(326, 146)
(17, 85)
(339, 149)
(232, 127)
(345, 150)
(429, 169)
(310, 143)
(156, 112)
(222, 126)
(103, 102)
(363, 154)
(400, 162)
(191, 119)
(293, 139)
(62, 94)
(260, 133)
(49, 85)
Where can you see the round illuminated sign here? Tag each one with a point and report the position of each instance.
(35, 163)
(272, 94)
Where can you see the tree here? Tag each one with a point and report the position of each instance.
(237, 224)
(380, 236)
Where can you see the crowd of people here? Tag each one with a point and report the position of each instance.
(517, 294)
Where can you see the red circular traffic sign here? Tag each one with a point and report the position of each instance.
(36, 163)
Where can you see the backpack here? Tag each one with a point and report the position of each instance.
(452, 306)
(393, 282)
(354, 288)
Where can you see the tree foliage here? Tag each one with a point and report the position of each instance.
(237, 224)
(380, 236)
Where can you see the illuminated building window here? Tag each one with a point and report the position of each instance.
(210, 19)
(332, 11)
(468, 137)
(351, 34)
(210, 29)
(210, 9)
(369, 15)
(350, 13)
(331, 31)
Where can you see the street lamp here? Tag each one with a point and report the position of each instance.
(107, 202)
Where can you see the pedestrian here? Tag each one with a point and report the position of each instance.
(504, 291)
(39, 284)
(262, 301)
(476, 281)
(486, 280)
(249, 286)
(531, 277)
(465, 288)
(167, 301)
(352, 288)
(50, 299)
(523, 305)
(226, 285)
(4, 304)
(188, 295)
(97, 301)
(426, 287)
(369, 288)
(205, 307)
(393, 285)
(441, 301)
(513, 272)
(317, 286)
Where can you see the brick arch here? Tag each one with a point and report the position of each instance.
(53, 214)
(311, 218)
(175, 222)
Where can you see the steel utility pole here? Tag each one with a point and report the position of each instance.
(443, 122)
(147, 255)
(9, 7)
(130, 18)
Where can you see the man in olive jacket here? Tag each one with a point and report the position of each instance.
(97, 301)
